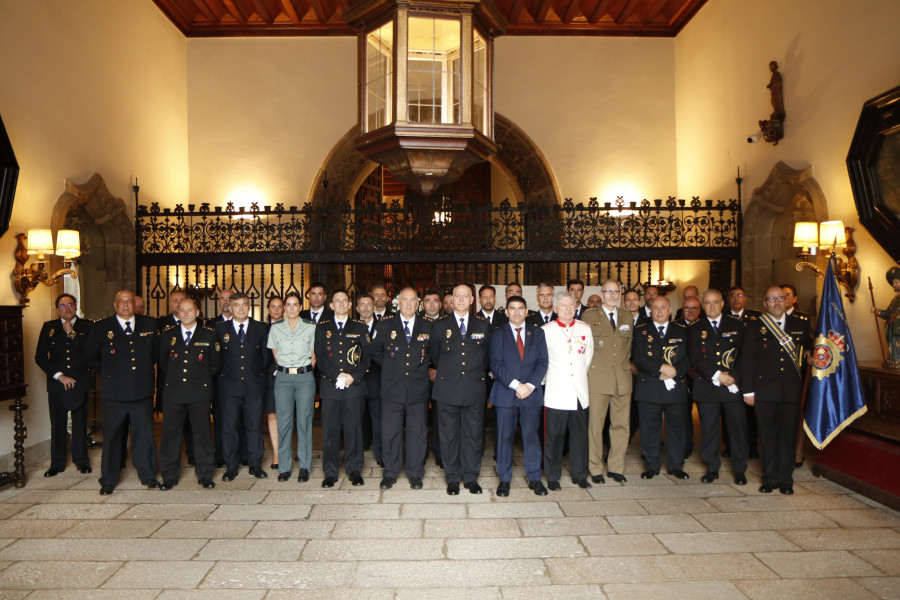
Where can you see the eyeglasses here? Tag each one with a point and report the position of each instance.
(66, 305)
(775, 299)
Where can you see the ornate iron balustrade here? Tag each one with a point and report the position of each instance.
(671, 228)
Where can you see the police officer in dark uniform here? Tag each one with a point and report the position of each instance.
(162, 323)
(241, 386)
(660, 352)
(714, 345)
(123, 349)
(188, 362)
(60, 354)
(737, 308)
(401, 346)
(773, 359)
(431, 305)
(365, 307)
(460, 351)
(342, 356)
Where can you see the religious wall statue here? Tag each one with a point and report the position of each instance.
(892, 320)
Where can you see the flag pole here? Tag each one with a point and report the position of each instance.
(877, 328)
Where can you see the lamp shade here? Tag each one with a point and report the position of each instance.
(68, 243)
(831, 233)
(806, 235)
(39, 241)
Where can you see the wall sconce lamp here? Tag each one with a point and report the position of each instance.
(40, 242)
(829, 236)
(663, 285)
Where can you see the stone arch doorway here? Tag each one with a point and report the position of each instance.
(768, 256)
(106, 264)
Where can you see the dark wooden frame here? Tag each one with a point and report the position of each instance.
(880, 119)
(9, 175)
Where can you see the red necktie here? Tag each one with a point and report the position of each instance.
(520, 343)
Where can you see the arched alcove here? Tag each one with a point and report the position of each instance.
(106, 264)
(768, 256)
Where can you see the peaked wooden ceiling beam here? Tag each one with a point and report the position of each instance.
(234, 12)
(602, 9)
(291, 11)
(207, 12)
(319, 8)
(539, 9)
(515, 11)
(571, 10)
(654, 11)
(627, 11)
(263, 12)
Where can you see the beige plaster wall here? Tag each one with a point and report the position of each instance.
(95, 86)
(602, 110)
(264, 115)
(834, 55)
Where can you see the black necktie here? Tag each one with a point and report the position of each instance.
(407, 332)
(187, 338)
(315, 317)
(241, 333)
(612, 319)
(546, 319)
(340, 328)
(462, 326)
(662, 330)
(715, 325)
(128, 329)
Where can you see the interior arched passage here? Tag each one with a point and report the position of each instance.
(768, 256)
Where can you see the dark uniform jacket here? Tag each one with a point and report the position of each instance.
(58, 352)
(650, 351)
(766, 369)
(748, 312)
(711, 352)
(163, 323)
(498, 320)
(188, 370)
(404, 367)
(536, 318)
(243, 364)
(345, 352)
(462, 364)
(326, 314)
(124, 363)
(373, 373)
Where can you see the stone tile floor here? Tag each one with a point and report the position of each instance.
(249, 538)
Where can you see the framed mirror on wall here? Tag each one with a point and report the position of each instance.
(874, 166)
(9, 175)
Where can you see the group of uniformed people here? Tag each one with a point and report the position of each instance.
(557, 373)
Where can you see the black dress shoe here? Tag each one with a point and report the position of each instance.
(474, 488)
(740, 479)
(151, 483)
(415, 483)
(649, 474)
(453, 489)
(753, 454)
(258, 472)
(679, 474)
(617, 477)
(106, 490)
(303, 476)
(229, 475)
(709, 477)
(380, 463)
(387, 483)
(244, 462)
(503, 489)
(273, 466)
(207, 483)
(786, 488)
(284, 476)
(766, 488)
(219, 464)
(597, 479)
(726, 453)
(537, 487)
(553, 486)
(53, 472)
(583, 483)
(439, 464)
(329, 482)
(85, 468)
(356, 479)
(797, 465)
(167, 485)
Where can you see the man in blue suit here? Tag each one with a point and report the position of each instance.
(519, 362)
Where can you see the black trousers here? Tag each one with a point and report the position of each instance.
(778, 423)
(372, 421)
(241, 414)
(397, 418)
(117, 417)
(342, 415)
(175, 419)
(58, 414)
(651, 415)
(435, 437)
(556, 423)
(462, 440)
(735, 417)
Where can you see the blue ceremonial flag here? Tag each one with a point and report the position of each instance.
(835, 395)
